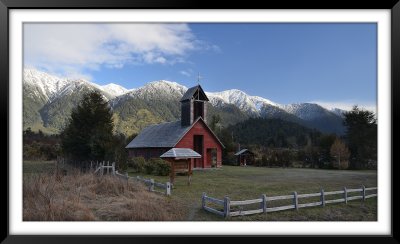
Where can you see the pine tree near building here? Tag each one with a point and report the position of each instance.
(89, 133)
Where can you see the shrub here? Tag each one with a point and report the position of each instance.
(137, 164)
(258, 162)
(230, 159)
(161, 167)
(149, 167)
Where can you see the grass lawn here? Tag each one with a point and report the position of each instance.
(244, 183)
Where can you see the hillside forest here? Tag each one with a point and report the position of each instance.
(275, 142)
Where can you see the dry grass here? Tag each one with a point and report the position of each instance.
(104, 199)
(85, 197)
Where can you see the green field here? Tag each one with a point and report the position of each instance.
(244, 183)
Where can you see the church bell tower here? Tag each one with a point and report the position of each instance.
(193, 105)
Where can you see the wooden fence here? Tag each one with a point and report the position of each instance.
(228, 208)
(87, 166)
(103, 168)
(150, 183)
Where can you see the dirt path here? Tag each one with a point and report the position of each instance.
(192, 211)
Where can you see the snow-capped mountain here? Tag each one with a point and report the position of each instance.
(47, 85)
(51, 86)
(306, 111)
(243, 101)
(114, 89)
(54, 98)
(159, 88)
(152, 90)
(338, 111)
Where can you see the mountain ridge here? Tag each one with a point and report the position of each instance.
(54, 97)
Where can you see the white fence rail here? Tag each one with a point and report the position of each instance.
(107, 168)
(103, 167)
(223, 207)
(164, 188)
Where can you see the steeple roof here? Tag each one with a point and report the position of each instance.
(191, 92)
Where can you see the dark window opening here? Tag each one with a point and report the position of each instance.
(198, 147)
(198, 109)
(198, 144)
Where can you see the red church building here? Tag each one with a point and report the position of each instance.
(189, 132)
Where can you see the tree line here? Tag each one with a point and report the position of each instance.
(90, 136)
(39, 146)
(280, 143)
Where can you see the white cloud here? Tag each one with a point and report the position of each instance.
(347, 105)
(185, 73)
(76, 48)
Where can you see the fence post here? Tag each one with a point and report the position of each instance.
(322, 197)
(345, 194)
(127, 178)
(203, 200)
(113, 168)
(264, 203)
(363, 192)
(227, 207)
(168, 189)
(151, 188)
(91, 163)
(295, 201)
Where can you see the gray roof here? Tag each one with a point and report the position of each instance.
(180, 153)
(242, 151)
(190, 93)
(161, 135)
(164, 135)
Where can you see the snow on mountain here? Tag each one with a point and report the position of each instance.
(159, 88)
(114, 89)
(48, 85)
(52, 89)
(338, 111)
(75, 86)
(240, 99)
(152, 90)
(306, 111)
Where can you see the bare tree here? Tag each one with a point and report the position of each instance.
(341, 153)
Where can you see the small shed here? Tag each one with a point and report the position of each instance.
(180, 161)
(245, 157)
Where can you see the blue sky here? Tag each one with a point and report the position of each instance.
(286, 63)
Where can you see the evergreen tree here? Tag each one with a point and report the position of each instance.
(361, 136)
(89, 133)
(215, 124)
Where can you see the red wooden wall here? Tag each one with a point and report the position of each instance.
(209, 142)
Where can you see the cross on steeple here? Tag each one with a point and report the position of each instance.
(198, 78)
